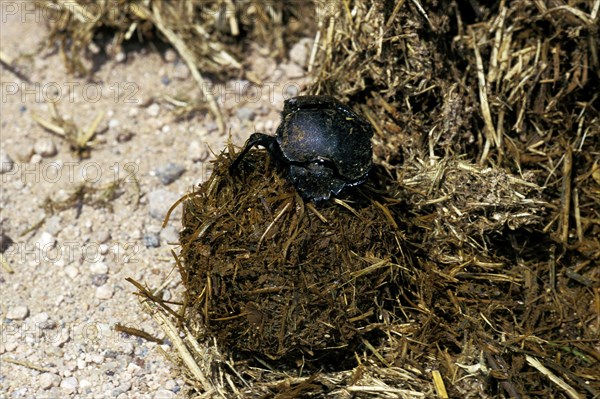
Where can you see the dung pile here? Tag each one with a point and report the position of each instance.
(290, 282)
(209, 36)
(487, 130)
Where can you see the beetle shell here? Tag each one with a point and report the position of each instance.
(323, 144)
(321, 130)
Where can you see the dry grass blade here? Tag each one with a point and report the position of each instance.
(553, 377)
(78, 139)
(5, 265)
(25, 363)
(490, 132)
(173, 333)
(191, 62)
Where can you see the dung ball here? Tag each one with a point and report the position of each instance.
(272, 276)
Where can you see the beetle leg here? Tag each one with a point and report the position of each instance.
(255, 139)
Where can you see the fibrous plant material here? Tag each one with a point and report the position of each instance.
(271, 276)
(487, 121)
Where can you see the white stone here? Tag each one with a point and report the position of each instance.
(35, 158)
(71, 271)
(170, 55)
(45, 147)
(160, 201)
(48, 380)
(103, 249)
(104, 292)
(46, 241)
(164, 394)
(113, 123)
(40, 318)
(127, 348)
(153, 110)
(61, 338)
(83, 384)
(99, 267)
(17, 312)
(24, 154)
(69, 384)
(292, 70)
(170, 235)
(96, 358)
(181, 72)
(197, 151)
(300, 51)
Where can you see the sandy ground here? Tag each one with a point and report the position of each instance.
(68, 289)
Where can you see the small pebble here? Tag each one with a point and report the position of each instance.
(170, 235)
(292, 91)
(47, 325)
(101, 236)
(165, 80)
(181, 72)
(124, 136)
(170, 55)
(93, 48)
(47, 241)
(96, 358)
(113, 123)
(17, 312)
(153, 110)
(120, 57)
(122, 388)
(159, 203)
(61, 339)
(35, 158)
(24, 153)
(127, 348)
(104, 292)
(197, 151)
(103, 249)
(39, 318)
(170, 385)
(49, 380)
(168, 173)
(45, 148)
(151, 240)
(71, 271)
(164, 394)
(53, 225)
(99, 280)
(69, 384)
(245, 114)
(83, 384)
(300, 52)
(292, 70)
(98, 267)
(6, 162)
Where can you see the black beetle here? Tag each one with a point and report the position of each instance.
(324, 145)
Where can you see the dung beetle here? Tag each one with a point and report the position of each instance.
(324, 145)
